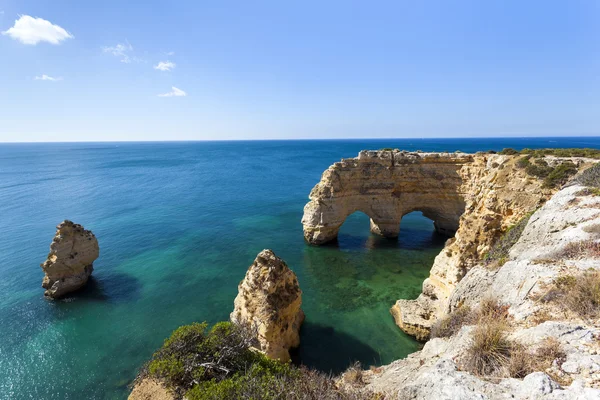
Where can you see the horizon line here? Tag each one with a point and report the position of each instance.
(294, 139)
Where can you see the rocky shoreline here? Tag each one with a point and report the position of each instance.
(511, 308)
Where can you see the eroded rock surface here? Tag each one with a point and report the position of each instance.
(473, 197)
(268, 303)
(537, 259)
(70, 261)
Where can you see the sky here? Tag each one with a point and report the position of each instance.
(203, 70)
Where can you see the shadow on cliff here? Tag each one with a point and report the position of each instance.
(326, 349)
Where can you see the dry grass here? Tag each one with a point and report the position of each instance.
(490, 349)
(489, 309)
(579, 294)
(595, 229)
(582, 249)
(523, 362)
(353, 375)
(450, 324)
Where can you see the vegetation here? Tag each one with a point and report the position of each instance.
(579, 294)
(581, 249)
(450, 324)
(559, 175)
(498, 254)
(508, 151)
(590, 177)
(490, 349)
(219, 363)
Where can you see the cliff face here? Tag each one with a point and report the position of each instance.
(69, 264)
(268, 303)
(549, 252)
(470, 197)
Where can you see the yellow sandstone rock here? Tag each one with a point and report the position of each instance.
(268, 303)
(69, 263)
(470, 197)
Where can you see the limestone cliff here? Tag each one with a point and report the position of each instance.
(70, 261)
(549, 252)
(268, 303)
(473, 197)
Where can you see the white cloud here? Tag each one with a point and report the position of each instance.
(29, 30)
(165, 66)
(123, 51)
(170, 53)
(45, 77)
(174, 93)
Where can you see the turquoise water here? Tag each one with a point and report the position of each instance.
(178, 225)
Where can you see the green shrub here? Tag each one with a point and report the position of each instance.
(220, 364)
(498, 254)
(559, 175)
(523, 162)
(508, 151)
(590, 177)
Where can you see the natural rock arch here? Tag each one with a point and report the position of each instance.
(475, 196)
(386, 185)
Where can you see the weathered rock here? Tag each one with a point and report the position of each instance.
(268, 302)
(150, 389)
(70, 261)
(435, 372)
(475, 195)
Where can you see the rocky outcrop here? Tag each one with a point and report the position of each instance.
(150, 389)
(268, 303)
(386, 185)
(70, 261)
(537, 259)
(472, 197)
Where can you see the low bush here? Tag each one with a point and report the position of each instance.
(200, 364)
(573, 152)
(581, 249)
(499, 251)
(559, 175)
(590, 177)
(508, 151)
(450, 324)
(489, 350)
(580, 294)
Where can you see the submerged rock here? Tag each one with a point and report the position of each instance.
(268, 303)
(69, 263)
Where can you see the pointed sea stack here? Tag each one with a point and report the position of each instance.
(69, 263)
(268, 302)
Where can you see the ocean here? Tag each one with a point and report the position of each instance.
(178, 224)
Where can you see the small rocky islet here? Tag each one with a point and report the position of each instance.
(70, 262)
(511, 308)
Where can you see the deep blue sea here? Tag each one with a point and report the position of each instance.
(178, 225)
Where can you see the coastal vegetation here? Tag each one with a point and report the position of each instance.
(220, 363)
(498, 254)
(579, 294)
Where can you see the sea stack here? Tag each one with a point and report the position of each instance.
(69, 264)
(268, 302)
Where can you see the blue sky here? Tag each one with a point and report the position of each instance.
(291, 69)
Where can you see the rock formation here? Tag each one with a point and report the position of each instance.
(268, 302)
(535, 263)
(386, 185)
(69, 263)
(473, 197)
